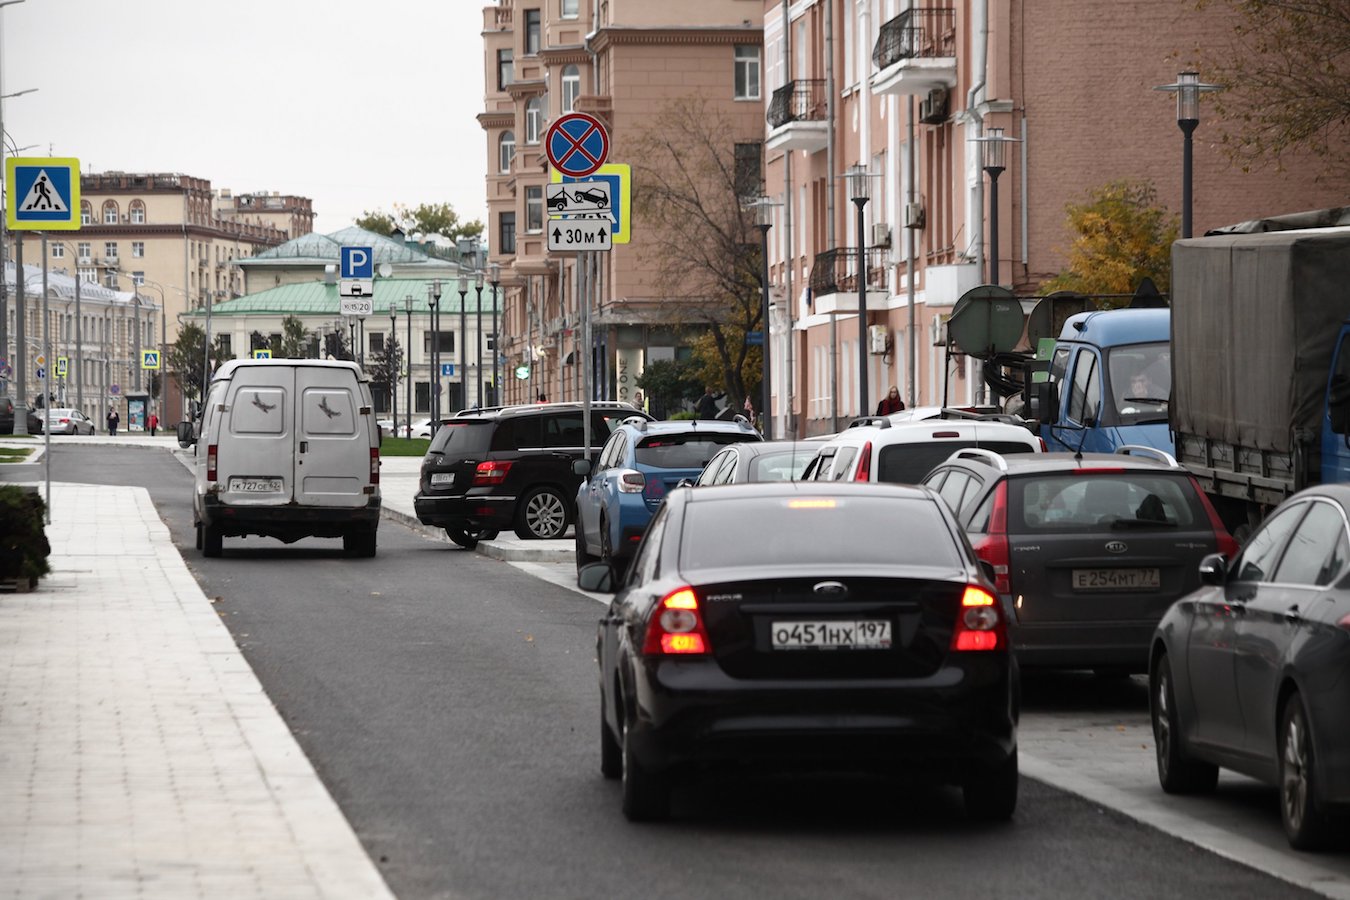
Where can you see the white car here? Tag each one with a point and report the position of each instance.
(904, 452)
(68, 421)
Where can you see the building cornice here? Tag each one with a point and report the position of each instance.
(605, 38)
(490, 120)
(564, 55)
(521, 89)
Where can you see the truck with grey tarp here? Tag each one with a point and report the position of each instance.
(1260, 358)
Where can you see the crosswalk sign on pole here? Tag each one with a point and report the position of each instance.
(149, 359)
(47, 190)
(62, 366)
(262, 354)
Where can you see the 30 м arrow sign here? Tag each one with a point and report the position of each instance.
(578, 234)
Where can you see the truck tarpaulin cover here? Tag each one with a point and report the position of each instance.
(1254, 325)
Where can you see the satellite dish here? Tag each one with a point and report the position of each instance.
(1052, 311)
(986, 321)
(386, 269)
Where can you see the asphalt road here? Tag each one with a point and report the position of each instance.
(449, 703)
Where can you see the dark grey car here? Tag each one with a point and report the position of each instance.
(1088, 550)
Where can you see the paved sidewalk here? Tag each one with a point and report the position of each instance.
(139, 755)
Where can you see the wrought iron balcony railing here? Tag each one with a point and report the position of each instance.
(916, 33)
(836, 271)
(803, 99)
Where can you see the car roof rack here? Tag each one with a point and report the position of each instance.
(1161, 456)
(638, 422)
(981, 453)
(870, 421)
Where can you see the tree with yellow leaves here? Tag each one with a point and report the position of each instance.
(1121, 236)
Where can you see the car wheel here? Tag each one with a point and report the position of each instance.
(462, 537)
(991, 795)
(611, 754)
(618, 566)
(198, 529)
(359, 543)
(542, 516)
(584, 556)
(646, 795)
(213, 541)
(1176, 773)
(1307, 827)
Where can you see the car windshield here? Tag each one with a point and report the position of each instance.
(681, 451)
(785, 465)
(815, 530)
(1055, 503)
(1141, 381)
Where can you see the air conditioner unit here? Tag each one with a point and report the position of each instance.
(878, 340)
(881, 234)
(933, 108)
(914, 217)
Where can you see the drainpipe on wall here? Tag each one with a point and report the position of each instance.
(979, 26)
(789, 257)
(829, 204)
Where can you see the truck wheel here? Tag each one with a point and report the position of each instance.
(212, 541)
(359, 543)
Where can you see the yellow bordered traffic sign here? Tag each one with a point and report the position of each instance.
(620, 179)
(149, 359)
(62, 366)
(44, 193)
(262, 354)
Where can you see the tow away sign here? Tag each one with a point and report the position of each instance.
(579, 234)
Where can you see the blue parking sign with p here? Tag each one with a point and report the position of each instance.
(358, 262)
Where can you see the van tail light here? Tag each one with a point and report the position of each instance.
(676, 627)
(865, 463)
(1228, 545)
(979, 625)
(374, 465)
(993, 547)
(490, 472)
(211, 462)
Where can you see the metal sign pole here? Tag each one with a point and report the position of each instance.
(46, 382)
(584, 301)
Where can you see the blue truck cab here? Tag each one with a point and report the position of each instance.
(1109, 382)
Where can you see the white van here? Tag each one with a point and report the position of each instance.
(286, 448)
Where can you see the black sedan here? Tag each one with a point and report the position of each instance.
(836, 627)
(1252, 671)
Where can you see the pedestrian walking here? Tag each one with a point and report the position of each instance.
(891, 403)
(706, 408)
(153, 422)
(113, 419)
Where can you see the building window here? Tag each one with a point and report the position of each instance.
(747, 72)
(86, 213)
(138, 249)
(226, 344)
(109, 213)
(58, 250)
(110, 249)
(88, 274)
(505, 68)
(568, 9)
(571, 87)
(534, 209)
(446, 340)
(138, 278)
(534, 119)
(506, 232)
(749, 180)
(137, 212)
(84, 249)
(531, 32)
(506, 151)
(377, 342)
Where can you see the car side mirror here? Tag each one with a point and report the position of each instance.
(185, 435)
(1214, 570)
(685, 482)
(1045, 401)
(597, 577)
(581, 467)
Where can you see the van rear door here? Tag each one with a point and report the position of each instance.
(333, 438)
(256, 460)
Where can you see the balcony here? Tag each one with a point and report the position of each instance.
(834, 279)
(797, 116)
(916, 52)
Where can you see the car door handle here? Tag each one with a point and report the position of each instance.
(304, 446)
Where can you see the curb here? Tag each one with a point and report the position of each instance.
(516, 553)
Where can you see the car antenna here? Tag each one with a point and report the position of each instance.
(1078, 451)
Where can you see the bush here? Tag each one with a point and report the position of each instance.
(23, 540)
(682, 415)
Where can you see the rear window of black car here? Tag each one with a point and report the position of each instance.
(909, 463)
(1110, 501)
(811, 529)
(460, 438)
(682, 451)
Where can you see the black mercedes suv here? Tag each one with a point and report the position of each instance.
(511, 468)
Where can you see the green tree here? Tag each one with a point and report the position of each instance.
(668, 383)
(1285, 68)
(385, 364)
(185, 357)
(689, 189)
(294, 338)
(1120, 236)
(426, 218)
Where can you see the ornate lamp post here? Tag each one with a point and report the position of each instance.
(495, 278)
(393, 371)
(478, 332)
(859, 192)
(434, 300)
(407, 312)
(763, 210)
(1188, 89)
(463, 332)
(994, 161)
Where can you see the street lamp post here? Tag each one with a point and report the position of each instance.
(859, 191)
(495, 278)
(1188, 89)
(393, 370)
(994, 160)
(463, 331)
(20, 413)
(478, 331)
(407, 313)
(435, 301)
(763, 210)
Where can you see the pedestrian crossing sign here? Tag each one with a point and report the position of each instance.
(47, 191)
(62, 366)
(149, 359)
(262, 354)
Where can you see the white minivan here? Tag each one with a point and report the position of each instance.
(286, 448)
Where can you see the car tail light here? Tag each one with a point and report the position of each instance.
(1097, 470)
(374, 465)
(946, 434)
(676, 626)
(1228, 546)
(993, 547)
(1044, 448)
(490, 472)
(65, 421)
(980, 624)
(1344, 623)
(631, 482)
(865, 463)
(211, 462)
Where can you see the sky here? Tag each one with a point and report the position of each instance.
(356, 105)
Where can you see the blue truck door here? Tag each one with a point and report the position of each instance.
(1059, 365)
(1336, 415)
